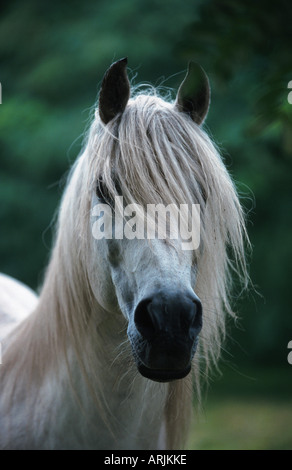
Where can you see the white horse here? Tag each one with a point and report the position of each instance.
(105, 357)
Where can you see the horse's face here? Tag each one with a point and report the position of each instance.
(151, 283)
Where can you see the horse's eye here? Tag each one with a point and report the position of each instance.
(102, 191)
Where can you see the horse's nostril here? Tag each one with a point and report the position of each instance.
(175, 316)
(143, 319)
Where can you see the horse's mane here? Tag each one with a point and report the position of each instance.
(153, 153)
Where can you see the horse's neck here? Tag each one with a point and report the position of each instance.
(76, 402)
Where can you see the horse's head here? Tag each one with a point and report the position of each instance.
(148, 151)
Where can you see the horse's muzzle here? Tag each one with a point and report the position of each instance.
(165, 336)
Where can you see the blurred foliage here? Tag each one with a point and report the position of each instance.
(53, 56)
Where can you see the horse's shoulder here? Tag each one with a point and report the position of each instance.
(16, 302)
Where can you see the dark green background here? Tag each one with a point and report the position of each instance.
(53, 56)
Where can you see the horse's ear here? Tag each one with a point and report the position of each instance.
(193, 96)
(115, 91)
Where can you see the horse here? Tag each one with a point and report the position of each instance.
(110, 353)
